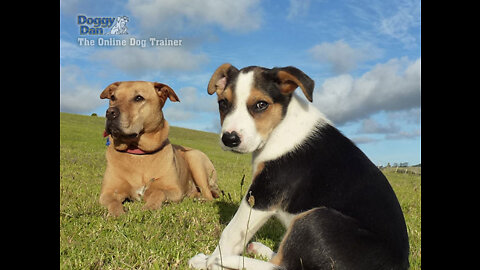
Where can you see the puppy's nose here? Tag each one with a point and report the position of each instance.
(231, 139)
(112, 113)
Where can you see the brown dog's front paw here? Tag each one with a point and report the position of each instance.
(152, 206)
(153, 199)
(115, 210)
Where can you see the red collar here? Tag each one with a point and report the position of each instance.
(138, 151)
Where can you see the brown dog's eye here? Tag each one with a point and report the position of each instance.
(139, 98)
(112, 98)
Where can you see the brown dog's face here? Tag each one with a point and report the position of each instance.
(135, 107)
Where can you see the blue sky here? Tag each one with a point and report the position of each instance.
(363, 55)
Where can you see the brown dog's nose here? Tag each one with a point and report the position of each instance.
(112, 113)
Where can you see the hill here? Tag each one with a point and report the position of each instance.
(167, 238)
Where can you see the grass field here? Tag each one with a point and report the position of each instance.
(167, 238)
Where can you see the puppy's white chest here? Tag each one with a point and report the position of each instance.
(285, 218)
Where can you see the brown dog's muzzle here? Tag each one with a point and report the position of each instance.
(112, 113)
(111, 126)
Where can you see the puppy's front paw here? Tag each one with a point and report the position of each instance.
(215, 263)
(258, 248)
(198, 261)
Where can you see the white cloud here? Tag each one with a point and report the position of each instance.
(399, 25)
(340, 56)
(364, 139)
(392, 86)
(192, 102)
(370, 126)
(163, 15)
(75, 95)
(138, 61)
(173, 113)
(80, 99)
(403, 135)
(411, 116)
(73, 51)
(397, 125)
(70, 6)
(297, 8)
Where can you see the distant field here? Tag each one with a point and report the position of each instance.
(409, 169)
(167, 238)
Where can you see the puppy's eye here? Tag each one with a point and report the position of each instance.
(260, 106)
(223, 105)
(139, 98)
(113, 98)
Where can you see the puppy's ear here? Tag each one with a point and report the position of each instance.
(291, 77)
(164, 91)
(220, 77)
(108, 92)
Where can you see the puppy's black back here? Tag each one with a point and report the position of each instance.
(330, 240)
(328, 170)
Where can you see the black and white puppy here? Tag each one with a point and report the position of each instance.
(339, 209)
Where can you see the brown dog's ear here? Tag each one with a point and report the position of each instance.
(164, 91)
(107, 92)
(291, 77)
(220, 78)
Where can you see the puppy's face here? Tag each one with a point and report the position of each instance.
(253, 101)
(135, 107)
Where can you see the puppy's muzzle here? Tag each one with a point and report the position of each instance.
(231, 139)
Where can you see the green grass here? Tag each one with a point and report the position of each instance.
(167, 238)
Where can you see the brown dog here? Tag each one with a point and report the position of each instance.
(140, 159)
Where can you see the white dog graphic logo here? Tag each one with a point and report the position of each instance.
(120, 27)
